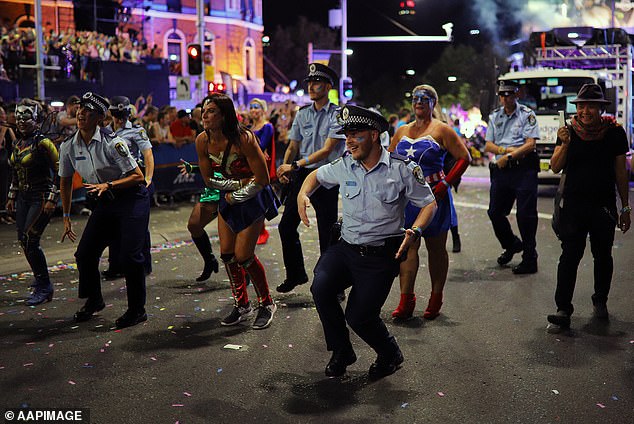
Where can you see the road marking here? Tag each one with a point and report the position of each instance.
(486, 207)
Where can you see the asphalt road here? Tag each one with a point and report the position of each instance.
(487, 359)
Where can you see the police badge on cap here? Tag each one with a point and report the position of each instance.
(95, 102)
(319, 72)
(359, 118)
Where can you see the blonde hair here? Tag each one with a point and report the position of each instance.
(429, 88)
(260, 102)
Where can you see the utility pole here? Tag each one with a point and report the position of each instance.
(39, 57)
(200, 9)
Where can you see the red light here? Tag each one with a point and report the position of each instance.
(193, 51)
(220, 87)
(210, 87)
(411, 3)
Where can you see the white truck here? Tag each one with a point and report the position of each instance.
(559, 73)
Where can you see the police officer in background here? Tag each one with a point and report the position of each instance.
(122, 208)
(141, 150)
(511, 136)
(375, 186)
(314, 137)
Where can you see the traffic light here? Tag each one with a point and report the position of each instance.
(347, 88)
(407, 7)
(194, 59)
(213, 87)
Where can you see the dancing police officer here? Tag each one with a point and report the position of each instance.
(375, 186)
(122, 208)
(511, 136)
(314, 137)
(141, 150)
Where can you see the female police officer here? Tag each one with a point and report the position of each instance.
(122, 208)
(375, 187)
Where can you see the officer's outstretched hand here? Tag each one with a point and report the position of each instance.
(283, 171)
(624, 222)
(68, 230)
(410, 237)
(303, 202)
(97, 189)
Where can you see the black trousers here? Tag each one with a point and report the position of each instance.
(577, 221)
(371, 279)
(508, 186)
(325, 203)
(126, 217)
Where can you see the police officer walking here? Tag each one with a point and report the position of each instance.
(375, 187)
(511, 136)
(141, 150)
(314, 137)
(122, 209)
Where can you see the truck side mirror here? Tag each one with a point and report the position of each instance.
(611, 95)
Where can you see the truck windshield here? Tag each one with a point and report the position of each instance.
(548, 95)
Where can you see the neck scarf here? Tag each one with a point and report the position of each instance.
(592, 132)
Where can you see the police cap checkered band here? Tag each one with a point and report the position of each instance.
(95, 102)
(319, 72)
(359, 118)
(507, 87)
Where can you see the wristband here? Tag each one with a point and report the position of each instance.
(501, 150)
(626, 209)
(66, 215)
(445, 183)
(418, 232)
(109, 183)
(509, 156)
(307, 161)
(294, 165)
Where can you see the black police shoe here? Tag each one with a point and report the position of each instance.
(561, 318)
(384, 366)
(525, 267)
(339, 362)
(600, 311)
(131, 318)
(111, 275)
(507, 255)
(90, 307)
(289, 285)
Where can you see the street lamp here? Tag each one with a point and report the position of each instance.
(410, 72)
(348, 52)
(451, 78)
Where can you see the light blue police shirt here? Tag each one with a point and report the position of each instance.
(374, 200)
(137, 139)
(513, 130)
(312, 127)
(106, 158)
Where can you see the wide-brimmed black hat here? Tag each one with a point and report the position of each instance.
(590, 93)
(95, 102)
(359, 118)
(507, 87)
(319, 72)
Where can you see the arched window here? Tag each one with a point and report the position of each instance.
(174, 48)
(248, 59)
(25, 21)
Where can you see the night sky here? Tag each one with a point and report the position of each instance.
(367, 17)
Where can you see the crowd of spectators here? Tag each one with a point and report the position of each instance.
(78, 54)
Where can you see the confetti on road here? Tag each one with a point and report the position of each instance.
(600, 405)
(187, 394)
(177, 405)
(555, 391)
(71, 382)
(232, 346)
(441, 394)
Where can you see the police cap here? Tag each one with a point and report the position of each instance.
(359, 118)
(508, 87)
(95, 102)
(119, 103)
(319, 72)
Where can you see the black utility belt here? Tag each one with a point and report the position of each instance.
(387, 250)
(528, 162)
(115, 193)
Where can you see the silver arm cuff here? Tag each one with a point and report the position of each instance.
(247, 192)
(224, 184)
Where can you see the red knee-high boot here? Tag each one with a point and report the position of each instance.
(433, 307)
(405, 307)
(237, 281)
(255, 270)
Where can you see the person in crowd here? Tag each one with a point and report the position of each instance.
(33, 193)
(7, 138)
(149, 118)
(393, 121)
(196, 121)
(375, 187)
(511, 136)
(122, 209)
(160, 131)
(404, 117)
(427, 141)
(265, 133)
(591, 151)
(181, 130)
(314, 138)
(246, 199)
(141, 150)
(67, 118)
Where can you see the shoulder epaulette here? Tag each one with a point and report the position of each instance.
(525, 108)
(304, 107)
(105, 131)
(397, 156)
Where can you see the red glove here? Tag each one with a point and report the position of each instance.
(440, 189)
